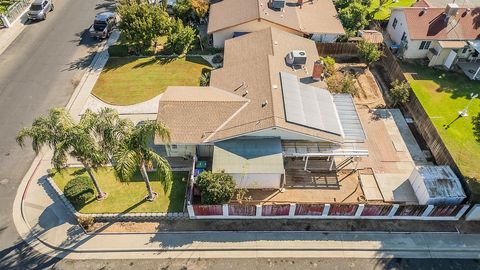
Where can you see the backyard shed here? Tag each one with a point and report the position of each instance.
(436, 185)
(253, 162)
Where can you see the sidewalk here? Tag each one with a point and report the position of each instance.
(8, 35)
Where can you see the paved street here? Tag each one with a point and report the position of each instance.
(38, 71)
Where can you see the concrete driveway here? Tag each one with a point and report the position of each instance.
(38, 71)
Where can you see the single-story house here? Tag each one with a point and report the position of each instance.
(446, 36)
(316, 19)
(262, 108)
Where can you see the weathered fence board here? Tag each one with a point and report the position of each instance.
(275, 210)
(342, 209)
(208, 210)
(309, 209)
(445, 210)
(337, 49)
(411, 210)
(241, 210)
(376, 210)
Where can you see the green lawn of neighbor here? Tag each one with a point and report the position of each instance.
(130, 80)
(384, 12)
(128, 196)
(443, 94)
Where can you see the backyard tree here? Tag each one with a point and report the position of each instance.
(141, 22)
(200, 8)
(58, 131)
(354, 17)
(369, 52)
(399, 92)
(216, 188)
(205, 79)
(476, 127)
(180, 38)
(134, 153)
(183, 9)
(329, 63)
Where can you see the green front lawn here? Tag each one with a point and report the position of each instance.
(443, 94)
(130, 80)
(128, 197)
(384, 12)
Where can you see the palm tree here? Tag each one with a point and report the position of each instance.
(108, 128)
(133, 152)
(58, 131)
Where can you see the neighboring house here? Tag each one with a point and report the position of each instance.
(446, 36)
(316, 19)
(260, 113)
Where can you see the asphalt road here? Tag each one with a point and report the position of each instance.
(39, 71)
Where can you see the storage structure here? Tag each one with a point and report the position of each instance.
(436, 185)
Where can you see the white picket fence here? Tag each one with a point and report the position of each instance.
(13, 12)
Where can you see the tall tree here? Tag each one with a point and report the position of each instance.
(141, 22)
(181, 37)
(58, 131)
(200, 8)
(134, 153)
(354, 17)
(400, 92)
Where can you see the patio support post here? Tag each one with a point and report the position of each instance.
(258, 212)
(291, 211)
(393, 211)
(331, 164)
(191, 213)
(5, 20)
(462, 211)
(427, 211)
(225, 210)
(476, 73)
(359, 211)
(306, 163)
(326, 209)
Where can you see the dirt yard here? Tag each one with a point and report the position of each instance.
(369, 94)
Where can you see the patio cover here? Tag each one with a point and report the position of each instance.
(248, 155)
(475, 44)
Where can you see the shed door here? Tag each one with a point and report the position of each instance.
(450, 58)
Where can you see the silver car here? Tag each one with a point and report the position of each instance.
(39, 9)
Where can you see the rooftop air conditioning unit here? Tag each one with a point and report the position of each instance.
(451, 10)
(296, 58)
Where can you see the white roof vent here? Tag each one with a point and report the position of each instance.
(296, 58)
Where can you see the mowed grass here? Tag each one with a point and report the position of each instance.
(128, 197)
(443, 95)
(384, 12)
(130, 80)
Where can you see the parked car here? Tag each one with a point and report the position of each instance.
(103, 25)
(39, 9)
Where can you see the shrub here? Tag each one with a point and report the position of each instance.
(476, 127)
(79, 190)
(205, 79)
(336, 84)
(329, 63)
(118, 50)
(85, 221)
(368, 51)
(216, 188)
(400, 92)
(181, 38)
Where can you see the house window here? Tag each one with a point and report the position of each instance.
(465, 49)
(394, 24)
(174, 146)
(404, 36)
(424, 45)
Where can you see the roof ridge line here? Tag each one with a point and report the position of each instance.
(226, 121)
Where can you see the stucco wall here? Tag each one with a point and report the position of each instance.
(396, 34)
(179, 150)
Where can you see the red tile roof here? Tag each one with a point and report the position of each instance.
(431, 24)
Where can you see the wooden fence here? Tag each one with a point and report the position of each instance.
(327, 211)
(337, 49)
